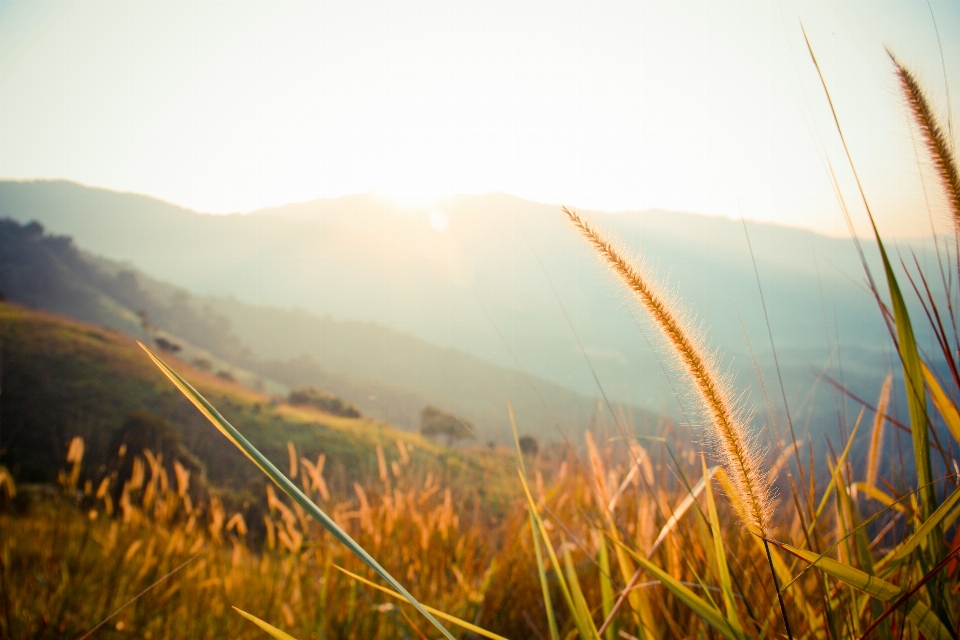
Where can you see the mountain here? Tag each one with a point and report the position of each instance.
(389, 375)
(505, 281)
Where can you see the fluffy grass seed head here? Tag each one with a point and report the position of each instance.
(736, 447)
(936, 140)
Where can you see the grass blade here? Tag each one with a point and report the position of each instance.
(943, 403)
(879, 495)
(705, 611)
(876, 436)
(906, 342)
(906, 547)
(606, 587)
(719, 552)
(585, 627)
(285, 484)
(917, 611)
(440, 614)
(266, 626)
(909, 594)
(541, 572)
(583, 609)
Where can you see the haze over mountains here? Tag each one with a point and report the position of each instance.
(390, 375)
(486, 276)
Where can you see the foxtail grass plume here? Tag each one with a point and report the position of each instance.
(936, 140)
(735, 446)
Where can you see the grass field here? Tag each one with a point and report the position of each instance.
(614, 536)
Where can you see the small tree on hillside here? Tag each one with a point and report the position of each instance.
(529, 445)
(434, 422)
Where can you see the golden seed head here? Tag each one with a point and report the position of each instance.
(736, 447)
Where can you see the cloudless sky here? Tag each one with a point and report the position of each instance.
(711, 107)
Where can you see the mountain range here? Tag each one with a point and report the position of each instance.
(421, 299)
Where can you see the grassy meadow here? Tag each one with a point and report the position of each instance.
(319, 526)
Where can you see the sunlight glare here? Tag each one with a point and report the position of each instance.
(439, 220)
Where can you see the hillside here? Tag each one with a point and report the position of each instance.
(63, 378)
(389, 375)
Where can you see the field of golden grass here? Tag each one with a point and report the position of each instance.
(619, 537)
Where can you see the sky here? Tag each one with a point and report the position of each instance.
(710, 107)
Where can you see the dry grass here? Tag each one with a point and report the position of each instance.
(859, 555)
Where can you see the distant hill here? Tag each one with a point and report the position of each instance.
(466, 274)
(389, 375)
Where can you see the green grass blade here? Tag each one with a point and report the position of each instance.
(913, 381)
(606, 587)
(833, 478)
(583, 609)
(706, 612)
(906, 342)
(286, 485)
(890, 505)
(943, 403)
(585, 627)
(266, 626)
(544, 584)
(917, 611)
(440, 614)
(905, 548)
(722, 569)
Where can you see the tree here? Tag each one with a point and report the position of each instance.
(434, 422)
(529, 445)
(167, 345)
(203, 364)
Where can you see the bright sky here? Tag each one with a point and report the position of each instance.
(700, 106)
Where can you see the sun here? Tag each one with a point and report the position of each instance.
(412, 199)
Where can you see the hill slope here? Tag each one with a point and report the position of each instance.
(63, 378)
(389, 375)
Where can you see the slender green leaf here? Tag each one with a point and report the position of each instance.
(705, 611)
(588, 631)
(917, 610)
(544, 584)
(285, 484)
(894, 504)
(879, 495)
(906, 343)
(606, 587)
(913, 381)
(905, 548)
(720, 553)
(266, 626)
(440, 614)
(833, 477)
(943, 403)
(583, 609)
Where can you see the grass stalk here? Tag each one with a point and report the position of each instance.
(734, 444)
(938, 144)
(737, 448)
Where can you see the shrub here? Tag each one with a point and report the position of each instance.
(324, 401)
